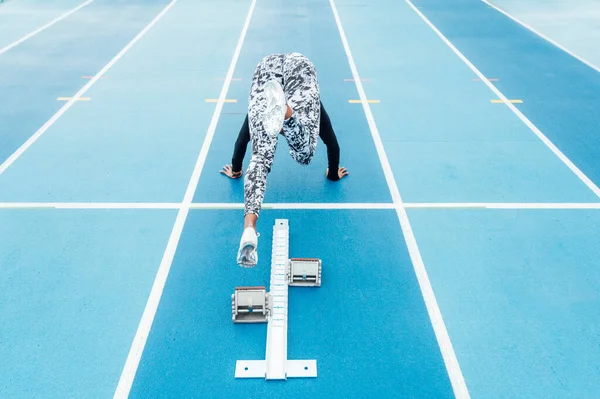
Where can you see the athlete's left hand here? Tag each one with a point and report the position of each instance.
(228, 171)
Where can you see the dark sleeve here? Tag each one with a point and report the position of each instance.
(333, 149)
(241, 143)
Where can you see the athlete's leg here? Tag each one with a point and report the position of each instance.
(302, 90)
(264, 144)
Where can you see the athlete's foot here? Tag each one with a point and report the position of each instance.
(248, 251)
(276, 108)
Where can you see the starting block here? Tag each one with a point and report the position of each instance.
(250, 305)
(256, 305)
(305, 272)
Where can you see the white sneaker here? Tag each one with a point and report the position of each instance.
(247, 253)
(276, 107)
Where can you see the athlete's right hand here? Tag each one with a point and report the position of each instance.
(228, 171)
(341, 173)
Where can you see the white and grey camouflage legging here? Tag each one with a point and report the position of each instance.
(298, 78)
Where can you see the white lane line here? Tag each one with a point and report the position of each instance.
(563, 48)
(507, 205)
(49, 24)
(452, 366)
(514, 109)
(306, 206)
(139, 342)
(90, 205)
(11, 159)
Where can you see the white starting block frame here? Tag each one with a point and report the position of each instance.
(255, 305)
(250, 305)
(304, 272)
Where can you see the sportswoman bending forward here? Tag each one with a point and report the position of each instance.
(284, 98)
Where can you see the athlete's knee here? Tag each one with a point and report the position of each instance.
(303, 157)
(261, 162)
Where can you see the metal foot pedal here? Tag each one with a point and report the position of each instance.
(250, 305)
(304, 272)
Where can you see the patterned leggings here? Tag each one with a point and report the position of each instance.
(298, 78)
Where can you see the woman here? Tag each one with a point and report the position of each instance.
(284, 99)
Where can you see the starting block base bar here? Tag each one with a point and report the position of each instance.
(258, 369)
(276, 353)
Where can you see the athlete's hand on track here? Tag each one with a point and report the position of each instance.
(228, 171)
(341, 172)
